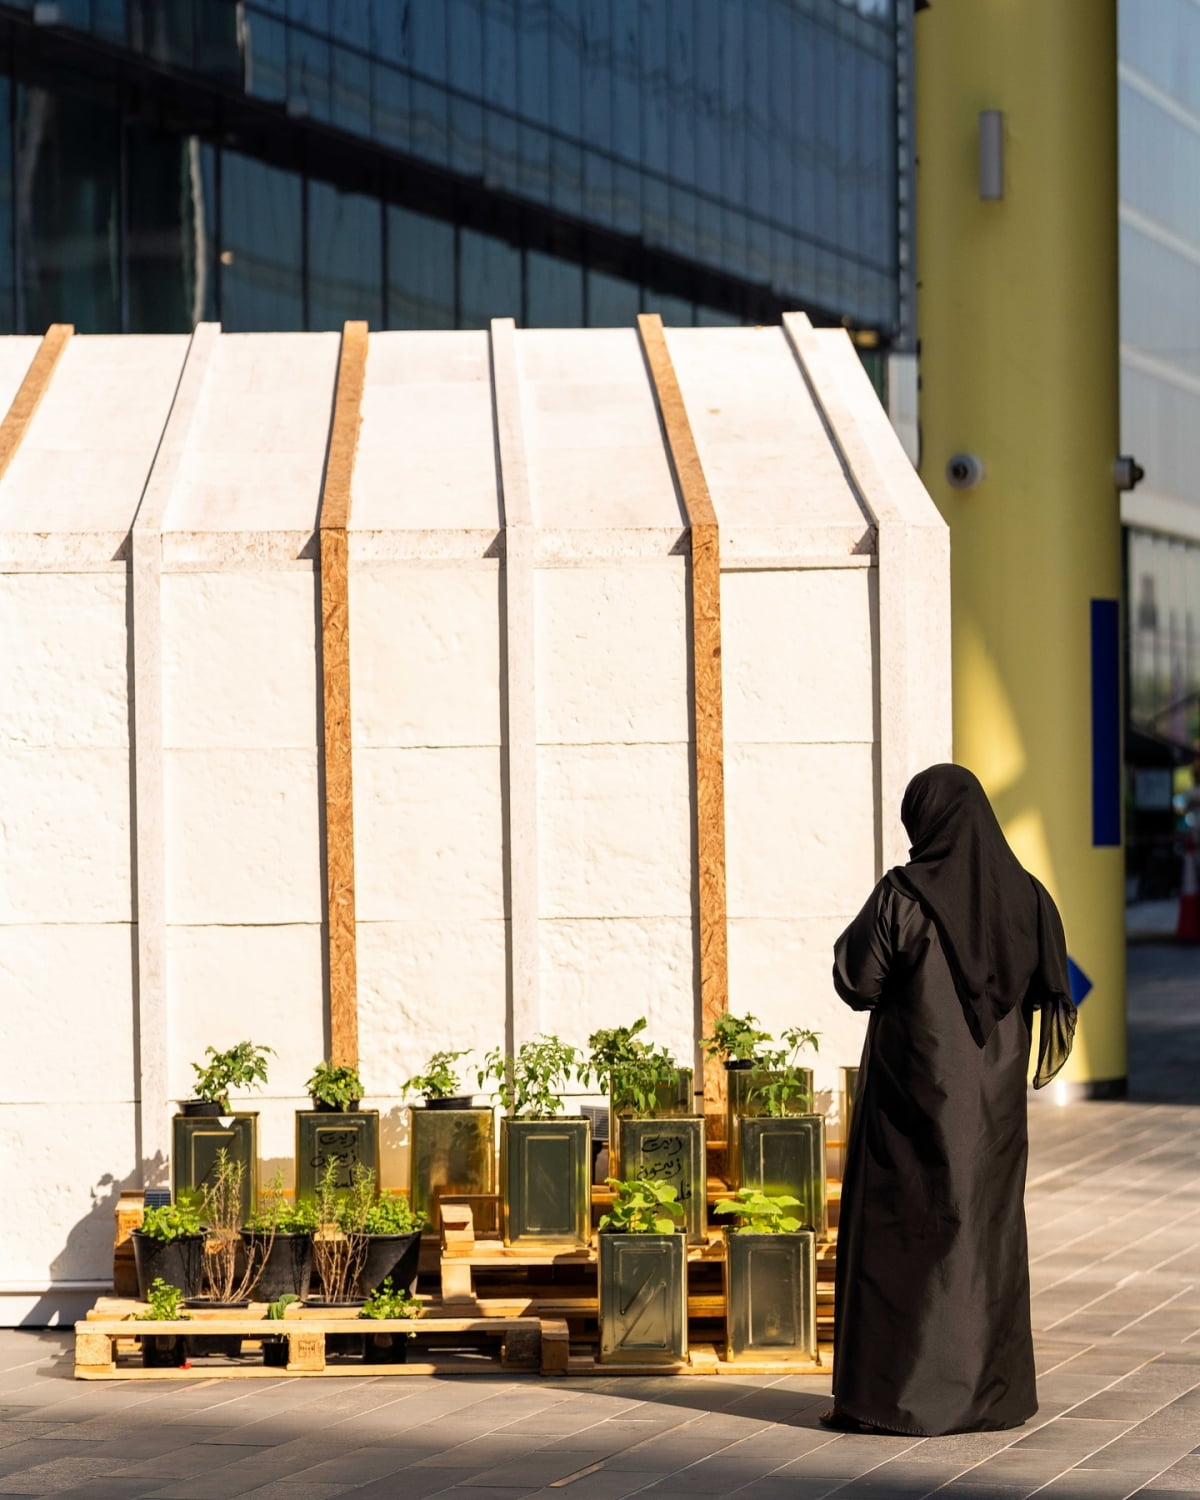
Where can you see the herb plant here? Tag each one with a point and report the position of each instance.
(241, 1067)
(391, 1213)
(648, 1207)
(735, 1038)
(440, 1078)
(277, 1310)
(165, 1304)
(628, 1068)
(340, 1242)
(174, 1221)
(221, 1192)
(336, 1085)
(783, 1082)
(761, 1213)
(389, 1302)
(529, 1084)
(279, 1214)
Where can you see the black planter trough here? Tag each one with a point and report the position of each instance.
(179, 1262)
(164, 1351)
(394, 1255)
(287, 1267)
(385, 1348)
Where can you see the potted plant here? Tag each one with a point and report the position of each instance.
(545, 1157)
(646, 1086)
(384, 1303)
(453, 1142)
(169, 1246)
(762, 1077)
(163, 1351)
(340, 1240)
(335, 1129)
(208, 1122)
(279, 1236)
(393, 1244)
(770, 1279)
(642, 1275)
(438, 1085)
(275, 1350)
(231, 1264)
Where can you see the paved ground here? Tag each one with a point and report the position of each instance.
(1114, 1211)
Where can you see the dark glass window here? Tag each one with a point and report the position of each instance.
(68, 211)
(261, 236)
(489, 280)
(266, 57)
(171, 280)
(345, 257)
(676, 312)
(8, 288)
(420, 271)
(611, 301)
(553, 292)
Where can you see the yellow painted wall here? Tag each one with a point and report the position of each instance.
(1017, 317)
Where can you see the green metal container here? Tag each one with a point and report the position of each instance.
(770, 1296)
(195, 1141)
(672, 1101)
(545, 1181)
(670, 1151)
(453, 1151)
(643, 1298)
(346, 1140)
(787, 1155)
(743, 1101)
(846, 1096)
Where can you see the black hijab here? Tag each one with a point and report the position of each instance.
(998, 925)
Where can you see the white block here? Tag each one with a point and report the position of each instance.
(242, 836)
(425, 655)
(615, 831)
(64, 854)
(796, 653)
(612, 653)
(232, 984)
(65, 1164)
(779, 971)
(608, 973)
(425, 987)
(68, 991)
(428, 834)
(799, 829)
(64, 674)
(240, 660)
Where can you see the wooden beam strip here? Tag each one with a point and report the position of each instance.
(341, 935)
(707, 713)
(29, 395)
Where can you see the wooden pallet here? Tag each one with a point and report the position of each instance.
(528, 1344)
(703, 1359)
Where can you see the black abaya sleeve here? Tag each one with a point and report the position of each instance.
(862, 955)
(1050, 992)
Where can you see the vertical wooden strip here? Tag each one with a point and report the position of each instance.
(340, 929)
(151, 1023)
(707, 715)
(31, 390)
(520, 702)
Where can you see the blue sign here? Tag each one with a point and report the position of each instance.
(1081, 985)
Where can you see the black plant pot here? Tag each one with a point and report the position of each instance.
(207, 1107)
(228, 1344)
(394, 1255)
(453, 1101)
(275, 1352)
(179, 1262)
(164, 1351)
(385, 1349)
(336, 1109)
(288, 1265)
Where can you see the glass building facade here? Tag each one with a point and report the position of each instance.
(286, 164)
(1159, 132)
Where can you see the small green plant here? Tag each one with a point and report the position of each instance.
(279, 1214)
(241, 1067)
(340, 1241)
(761, 1213)
(440, 1078)
(783, 1082)
(648, 1207)
(165, 1304)
(278, 1309)
(336, 1085)
(529, 1084)
(174, 1221)
(387, 1301)
(630, 1069)
(735, 1038)
(391, 1213)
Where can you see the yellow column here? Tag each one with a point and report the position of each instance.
(1017, 317)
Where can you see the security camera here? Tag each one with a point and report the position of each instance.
(964, 471)
(1127, 472)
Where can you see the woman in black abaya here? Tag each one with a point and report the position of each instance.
(952, 955)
